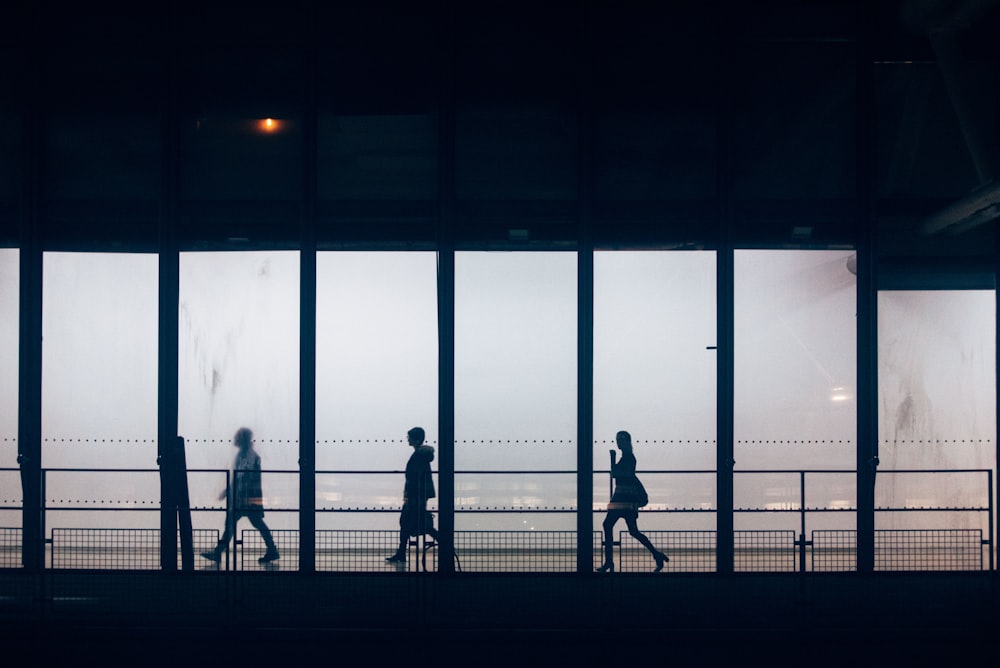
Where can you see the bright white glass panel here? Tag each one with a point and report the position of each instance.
(655, 377)
(9, 336)
(10, 481)
(795, 365)
(937, 406)
(99, 386)
(376, 377)
(238, 366)
(515, 387)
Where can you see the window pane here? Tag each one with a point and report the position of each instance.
(937, 410)
(99, 387)
(515, 390)
(655, 377)
(376, 377)
(239, 367)
(794, 387)
(10, 481)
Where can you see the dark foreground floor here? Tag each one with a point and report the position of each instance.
(616, 645)
(506, 621)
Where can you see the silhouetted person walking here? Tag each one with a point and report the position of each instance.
(246, 498)
(414, 520)
(628, 497)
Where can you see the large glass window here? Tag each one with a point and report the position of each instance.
(655, 377)
(10, 483)
(937, 428)
(794, 410)
(99, 390)
(239, 367)
(376, 377)
(515, 401)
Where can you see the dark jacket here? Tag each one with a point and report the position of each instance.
(419, 481)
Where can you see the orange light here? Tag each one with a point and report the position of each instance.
(269, 125)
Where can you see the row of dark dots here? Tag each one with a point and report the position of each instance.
(819, 442)
(502, 441)
(970, 441)
(227, 441)
(99, 440)
(396, 441)
(105, 501)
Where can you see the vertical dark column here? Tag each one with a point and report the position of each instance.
(307, 317)
(867, 302)
(724, 416)
(29, 422)
(446, 308)
(585, 320)
(585, 405)
(724, 282)
(446, 404)
(169, 296)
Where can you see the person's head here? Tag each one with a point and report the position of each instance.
(243, 438)
(415, 436)
(624, 440)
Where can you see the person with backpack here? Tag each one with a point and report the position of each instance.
(415, 519)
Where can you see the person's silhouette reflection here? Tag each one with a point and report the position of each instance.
(414, 519)
(628, 497)
(246, 499)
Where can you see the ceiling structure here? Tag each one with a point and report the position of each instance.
(505, 124)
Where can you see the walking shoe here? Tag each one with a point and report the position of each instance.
(269, 556)
(212, 555)
(398, 558)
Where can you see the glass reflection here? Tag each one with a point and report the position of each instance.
(794, 387)
(654, 376)
(376, 377)
(937, 407)
(10, 481)
(99, 386)
(515, 390)
(238, 366)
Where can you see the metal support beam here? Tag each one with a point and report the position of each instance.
(29, 419)
(307, 314)
(168, 309)
(446, 324)
(867, 286)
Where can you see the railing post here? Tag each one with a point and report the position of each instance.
(803, 543)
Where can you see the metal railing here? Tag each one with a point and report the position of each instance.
(789, 530)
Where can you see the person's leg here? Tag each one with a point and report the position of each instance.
(632, 520)
(404, 535)
(609, 542)
(227, 535)
(257, 520)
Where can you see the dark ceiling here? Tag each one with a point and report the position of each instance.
(641, 123)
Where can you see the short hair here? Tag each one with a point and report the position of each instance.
(417, 434)
(244, 436)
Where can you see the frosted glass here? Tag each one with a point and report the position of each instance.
(795, 360)
(10, 283)
(515, 386)
(10, 481)
(99, 385)
(238, 366)
(655, 376)
(937, 404)
(376, 377)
